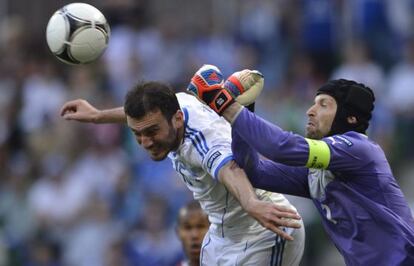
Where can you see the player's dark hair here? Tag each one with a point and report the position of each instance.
(353, 99)
(193, 205)
(151, 96)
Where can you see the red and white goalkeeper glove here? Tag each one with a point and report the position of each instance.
(205, 82)
(243, 86)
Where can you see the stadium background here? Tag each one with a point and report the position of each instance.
(74, 194)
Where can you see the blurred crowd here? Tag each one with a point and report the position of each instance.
(87, 195)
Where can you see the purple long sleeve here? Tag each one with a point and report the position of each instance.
(263, 173)
(271, 141)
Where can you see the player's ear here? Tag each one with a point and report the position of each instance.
(351, 120)
(178, 119)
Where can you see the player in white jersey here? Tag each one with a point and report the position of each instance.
(198, 142)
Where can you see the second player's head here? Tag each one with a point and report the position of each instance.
(192, 225)
(154, 115)
(340, 106)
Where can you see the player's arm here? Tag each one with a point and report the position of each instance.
(268, 139)
(82, 111)
(267, 214)
(269, 175)
(278, 145)
(349, 151)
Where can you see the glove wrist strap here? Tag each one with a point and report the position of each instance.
(234, 86)
(221, 101)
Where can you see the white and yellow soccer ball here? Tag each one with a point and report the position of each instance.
(78, 33)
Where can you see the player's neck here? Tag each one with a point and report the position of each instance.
(181, 134)
(180, 138)
(194, 262)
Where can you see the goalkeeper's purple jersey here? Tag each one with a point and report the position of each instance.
(347, 177)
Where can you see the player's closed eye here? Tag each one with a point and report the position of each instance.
(136, 133)
(151, 132)
(323, 103)
(147, 133)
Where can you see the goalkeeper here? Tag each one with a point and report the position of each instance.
(336, 165)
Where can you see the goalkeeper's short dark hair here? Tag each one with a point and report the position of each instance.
(151, 96)
(353, 99)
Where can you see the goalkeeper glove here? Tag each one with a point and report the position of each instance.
(243, 86)
(252, 82)
(205, 82)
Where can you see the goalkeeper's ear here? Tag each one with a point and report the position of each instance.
(250, 94)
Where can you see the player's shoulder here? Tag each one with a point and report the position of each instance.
(185, 100)
(195, 111)
(355, 142)
(348, 139)
(200, 120)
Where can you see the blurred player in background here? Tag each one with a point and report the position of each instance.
(192, 225)
(198, 142)
(346, 175)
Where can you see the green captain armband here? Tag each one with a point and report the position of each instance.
(319, 154)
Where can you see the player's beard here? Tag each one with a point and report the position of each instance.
(171, 142)
(311, 131)
(313, 134)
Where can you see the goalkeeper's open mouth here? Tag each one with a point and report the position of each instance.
(310, 124)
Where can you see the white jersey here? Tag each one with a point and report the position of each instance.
(205, 149)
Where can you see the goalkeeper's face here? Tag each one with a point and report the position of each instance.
(156, 134)
(321, 116)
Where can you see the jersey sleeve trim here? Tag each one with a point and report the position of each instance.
(319, 154)
(222, 163)
(196, 137)
(185, 111)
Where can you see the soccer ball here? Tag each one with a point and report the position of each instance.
(78, 33)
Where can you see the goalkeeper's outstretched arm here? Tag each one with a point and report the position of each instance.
(264, 174)
(231, 113)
